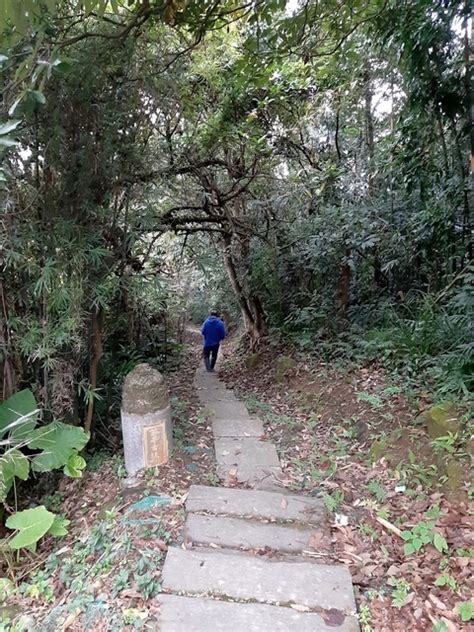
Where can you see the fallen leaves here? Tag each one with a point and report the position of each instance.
(138, 551)
(333, 617)
(305, 419)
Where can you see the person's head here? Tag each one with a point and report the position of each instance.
(215, 313)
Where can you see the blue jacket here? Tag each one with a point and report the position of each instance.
(213, 331)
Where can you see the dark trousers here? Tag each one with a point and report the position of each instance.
(210, 356)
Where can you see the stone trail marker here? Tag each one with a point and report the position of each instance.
(146, 419)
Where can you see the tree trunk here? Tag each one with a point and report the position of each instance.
(251, 307)
(468, 60)
(7, 365)
(342, 292)
(369, 122)
(96, 354)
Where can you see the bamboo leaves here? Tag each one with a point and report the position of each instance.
(5, 129)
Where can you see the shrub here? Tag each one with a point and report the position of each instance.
(27, 447)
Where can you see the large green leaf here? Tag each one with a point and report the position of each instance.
(59, 526)
(19, 415)
(14, 463)
(58, 441)
(74, 465)
(31, 525)
(6, 141)
(8, 127)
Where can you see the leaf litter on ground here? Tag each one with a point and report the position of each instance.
(105, 574)
(324, 422)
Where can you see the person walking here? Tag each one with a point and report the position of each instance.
(213, 332)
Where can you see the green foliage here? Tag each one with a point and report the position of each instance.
(52, 502)
(401, 590)
(373, 400)
(377, 490)
(420, 535)
(96, 460)
(180, 417)
(57, 444)
(132, 616)
(120, 582)
(445, 579)
(39, 588)
(18, 415)
(368, 531)
(333, 501)
(365, 618)
(31, 524)
(417, 473)
(7, 589)
(466, 611)
(434, 512)
(147, 584)
(446, 443)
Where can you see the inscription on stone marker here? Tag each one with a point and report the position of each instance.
(154, 445)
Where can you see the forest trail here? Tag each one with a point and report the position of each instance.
(246, 564)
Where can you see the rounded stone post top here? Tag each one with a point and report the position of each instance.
(144, 391)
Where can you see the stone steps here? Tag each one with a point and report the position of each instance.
(225, 409)
(216, 395)
(265, 505)
(185, 614)
(240, 576)
(242, 568)
(242, 454)
(243, 534)
(258, 477)
(251, 427)
(245, 451)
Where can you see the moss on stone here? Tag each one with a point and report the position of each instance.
(144, 391)
(377, 450)
(456, 472)
(441, 420)
(253, 360)
(283, 364)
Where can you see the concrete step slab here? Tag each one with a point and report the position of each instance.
(240, 503)
(186, 614)
(246, 451)
(237, 533)
(211, 384)
(265, 477)
(227, 410)
(248, 577)
(251, 427)
(206, 397)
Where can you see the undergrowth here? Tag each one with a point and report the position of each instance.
(419, 341)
